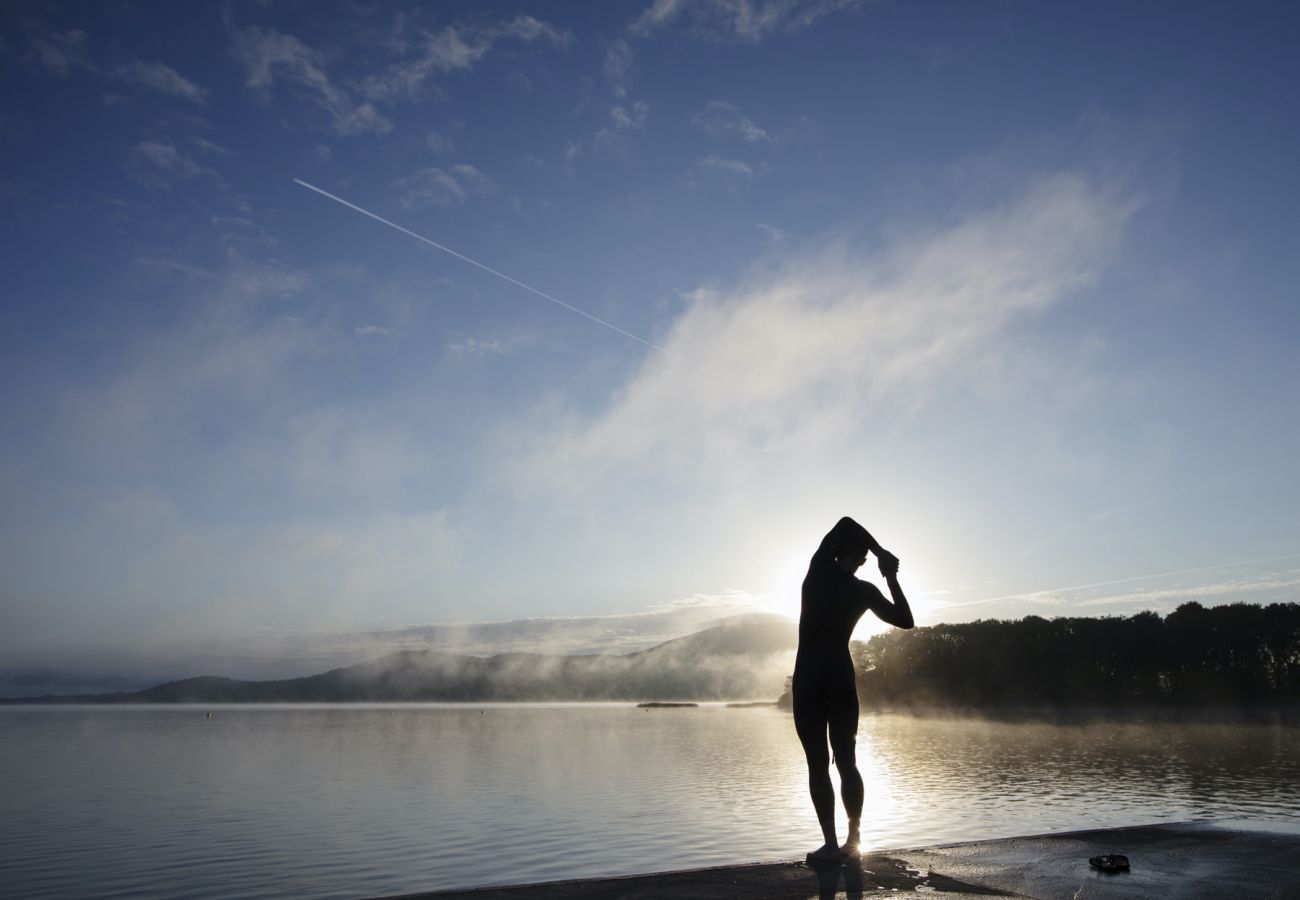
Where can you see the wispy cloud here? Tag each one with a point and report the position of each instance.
(1168, 597)
(737, 21)
(173, 267)
(529, 29)
(733, 599)
(435, 186)
(59, 51)
(361, 103)
(160, 77)
(1074, 527)
(157, 164)
(480, 346)
(453, 49)
(1092, 600)
(270, 56)
(811, 352)
(623, 118)
(620, 64)
(1186, 588)
(722, 120)
(733, 170)
(439, 143)
(495, 346)
(208, 146)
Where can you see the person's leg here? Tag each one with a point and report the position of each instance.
(810, 722)
(843, 724)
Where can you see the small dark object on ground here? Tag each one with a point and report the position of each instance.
(1110, 863)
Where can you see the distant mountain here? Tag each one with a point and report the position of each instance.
(746, 657)
(276, 656)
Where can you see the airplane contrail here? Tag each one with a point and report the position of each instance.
(1079, 587)
(473, 262)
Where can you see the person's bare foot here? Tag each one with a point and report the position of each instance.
(826, 854)
(851, 848)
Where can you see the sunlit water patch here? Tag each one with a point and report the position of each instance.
(350, 801)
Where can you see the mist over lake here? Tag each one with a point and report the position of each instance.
(397, 394)
(342, 801)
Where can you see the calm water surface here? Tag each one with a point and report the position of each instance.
(330, 801)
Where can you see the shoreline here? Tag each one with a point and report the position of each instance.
(1066, 714)
(1200, 860)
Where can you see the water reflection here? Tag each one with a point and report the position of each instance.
(330, 801)
(1050, 776)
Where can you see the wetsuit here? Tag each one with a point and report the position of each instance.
(825, 689)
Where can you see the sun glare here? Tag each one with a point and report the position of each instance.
(786, 579)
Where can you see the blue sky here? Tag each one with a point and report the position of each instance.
(1013, 284)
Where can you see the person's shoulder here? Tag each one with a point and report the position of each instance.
(869, 590)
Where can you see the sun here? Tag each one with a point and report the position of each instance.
(785, 579)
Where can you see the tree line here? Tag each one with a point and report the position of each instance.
(1235, 655)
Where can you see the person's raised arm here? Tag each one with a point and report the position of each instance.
(846, 532)
(899, 613)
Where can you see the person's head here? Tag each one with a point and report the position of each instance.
(851, 556)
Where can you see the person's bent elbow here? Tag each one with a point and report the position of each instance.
(899, 618)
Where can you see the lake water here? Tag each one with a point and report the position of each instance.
(347, 801)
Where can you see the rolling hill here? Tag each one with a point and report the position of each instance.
(747, 657)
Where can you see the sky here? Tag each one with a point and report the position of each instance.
(1012, 284)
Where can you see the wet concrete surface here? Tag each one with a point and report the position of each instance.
(1184, 861)
(1187, 861)
(874, 876)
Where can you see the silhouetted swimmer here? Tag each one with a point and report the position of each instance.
(825, 689)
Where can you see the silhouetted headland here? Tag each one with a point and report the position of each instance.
(1234, 657)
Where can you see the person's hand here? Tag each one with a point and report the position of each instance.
(888, 563)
